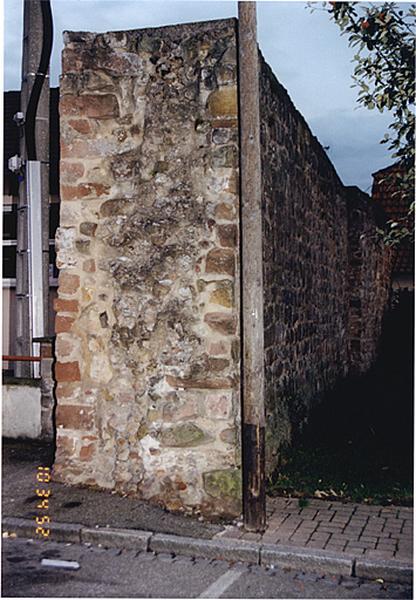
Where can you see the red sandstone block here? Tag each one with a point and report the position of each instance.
(61, 305)
(65, 446)
(89, 265)
(227, 235)
(218, 406)
(87, 452)
(225, 212)
(67, 371)
(71, 171)
(71, 416)
(64, 390)
(86, 148)
(64, 347)
(104, 106)
(68, 283)
(63, 324)
(220, 123)
(83, 190)
(220, 260)
(221, 322)
(80, 125)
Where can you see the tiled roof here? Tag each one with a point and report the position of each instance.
(386, 193)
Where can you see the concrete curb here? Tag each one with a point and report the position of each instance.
(60, 532)
(221, 549)
(399, 572)
(130, 539)
(317, 561)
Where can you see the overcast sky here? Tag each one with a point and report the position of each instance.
(304, 49)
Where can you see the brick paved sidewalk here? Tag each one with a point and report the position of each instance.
(373, 531)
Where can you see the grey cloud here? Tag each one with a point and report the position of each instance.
(305, 51)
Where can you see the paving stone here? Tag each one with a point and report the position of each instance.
(307, 513)
(390, 510)
(269, 537)
(232, 534)
(324, 537)
(374, 520)
(315, 544)
(252, 537)
(369, 538)
(376, 532)
(355, 551)
(360, 520)
(336, 547)
(309, 523)
(331, 528)
(379, 554)
(351, 529)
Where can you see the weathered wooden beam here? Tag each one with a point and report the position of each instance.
(253, 415)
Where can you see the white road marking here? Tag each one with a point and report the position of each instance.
(222, 583)
(60, 564)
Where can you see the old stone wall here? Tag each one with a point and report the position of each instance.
(147, 316)
(305, 267)
(369, 279)
(327, 274)
(148, 313)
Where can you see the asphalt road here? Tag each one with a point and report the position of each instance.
(129, 574)
(71, 504)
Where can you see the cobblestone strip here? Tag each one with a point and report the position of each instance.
(372, 532)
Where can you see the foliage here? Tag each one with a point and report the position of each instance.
(314, 472)
(383, 36)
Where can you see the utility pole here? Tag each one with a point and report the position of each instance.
(32, 261)
(253, 417)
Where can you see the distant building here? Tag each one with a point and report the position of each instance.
(10, 201)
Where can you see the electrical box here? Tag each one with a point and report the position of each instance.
(15, 163)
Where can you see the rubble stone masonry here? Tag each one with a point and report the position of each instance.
(370, 265)
(305, 267)
(148, 313)
(326, 272)
(147, 316)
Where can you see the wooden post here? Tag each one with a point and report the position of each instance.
(253, 417)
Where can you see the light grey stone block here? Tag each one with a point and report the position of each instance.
(59, 532)
(130, 539)
(318, 561)
(220, 549)
(394, 571)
